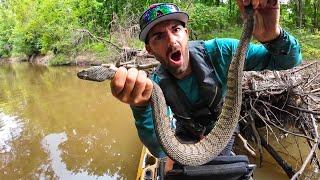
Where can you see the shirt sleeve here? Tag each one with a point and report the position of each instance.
(144, 124)
(145, 128)
(282, 53)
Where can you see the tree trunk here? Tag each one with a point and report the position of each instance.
(316, 5)
(299, 17)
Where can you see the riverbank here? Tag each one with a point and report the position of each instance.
(127, 57)
(83, 59)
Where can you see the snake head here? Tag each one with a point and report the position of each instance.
(92, 74)
(96, 73)
(83, 74)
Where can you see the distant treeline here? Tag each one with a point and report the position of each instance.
(34, 27)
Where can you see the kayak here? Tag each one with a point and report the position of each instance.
(222, 167)
(148, 166)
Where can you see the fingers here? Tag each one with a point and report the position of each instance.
(131, 86)
(148, 89)
(259, 3)
(258, 24)
(246, 2)
(142, 89)
(266, 18)
(263, 3)
(140, 85)
(131, 78)
(118, 81)
(255, 3)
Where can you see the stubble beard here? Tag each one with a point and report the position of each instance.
(179, 72)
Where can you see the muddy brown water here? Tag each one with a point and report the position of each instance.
(56, 126)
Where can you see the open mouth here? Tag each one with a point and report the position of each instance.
(176, 56)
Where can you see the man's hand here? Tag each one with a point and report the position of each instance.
(131, 86)
(266, 16)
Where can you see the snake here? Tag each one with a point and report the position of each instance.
(212, 144)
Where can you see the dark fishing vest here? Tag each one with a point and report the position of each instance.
(195, 119)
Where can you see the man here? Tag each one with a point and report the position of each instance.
(193, 75)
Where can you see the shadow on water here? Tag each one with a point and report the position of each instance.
(55, 126)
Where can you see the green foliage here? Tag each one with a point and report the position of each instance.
(25, 37)
(309, 13)
(6, 25)
(206, 19)
(286, 19)
(309, 44)
(38, 26)
(5, 34)
(233, 32)
(59, 60)
(97, 47)
(57, 21)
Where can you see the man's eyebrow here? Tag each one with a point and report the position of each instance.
(155, 33)
(160, 32)
(176, 25)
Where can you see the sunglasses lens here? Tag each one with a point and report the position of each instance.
(156, 11)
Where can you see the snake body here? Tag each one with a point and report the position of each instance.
(211, 145)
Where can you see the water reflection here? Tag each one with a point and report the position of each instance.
(51, 144)
(99, 139)
(10, 129)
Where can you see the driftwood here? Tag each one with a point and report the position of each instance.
(140, 59)
(283, 104)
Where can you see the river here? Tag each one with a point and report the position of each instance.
(56, 126)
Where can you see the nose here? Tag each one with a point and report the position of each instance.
(171, 39)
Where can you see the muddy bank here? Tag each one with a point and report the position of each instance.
(13, 59)
(125, 56)
(83, 59)
(86, 59)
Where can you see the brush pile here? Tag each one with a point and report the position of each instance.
(282, 105)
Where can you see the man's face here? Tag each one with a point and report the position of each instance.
(168, 42)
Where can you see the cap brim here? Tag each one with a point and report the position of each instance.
(181, 16)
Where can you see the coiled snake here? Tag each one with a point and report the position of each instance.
(211, 145)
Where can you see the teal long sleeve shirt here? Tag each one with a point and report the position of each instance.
(282, 53)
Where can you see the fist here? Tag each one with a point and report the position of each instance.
(266, 16)
(131, 86)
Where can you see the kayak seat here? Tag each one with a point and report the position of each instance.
(221, 168)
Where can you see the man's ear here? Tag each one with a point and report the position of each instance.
(148, 48)
(187, 30)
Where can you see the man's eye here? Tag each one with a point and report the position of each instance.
(177, 29)
(158, 37)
